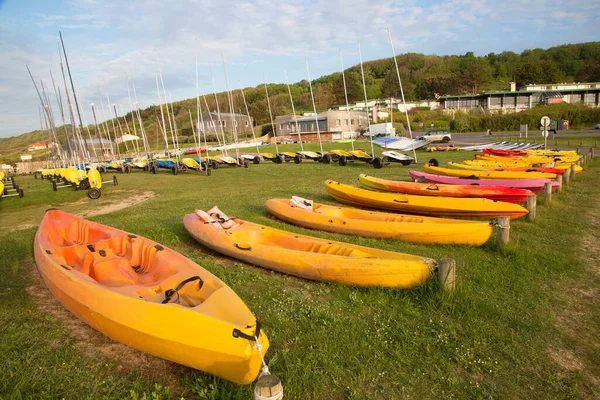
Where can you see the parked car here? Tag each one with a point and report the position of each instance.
(443, 136)
(597, 126)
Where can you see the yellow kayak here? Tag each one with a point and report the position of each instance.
(381, 225)
(309, 257)
(509, 164)
(423, 205)
(148, 297)
(532, 159)
(487, 174)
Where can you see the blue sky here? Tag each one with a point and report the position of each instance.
(106, 39)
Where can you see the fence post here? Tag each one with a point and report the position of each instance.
(531, 207)
(447, 273)
(559, 179)
(548, 191)
(502, 232)
(566, 176)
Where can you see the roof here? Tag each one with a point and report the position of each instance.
(518, 93)
(228, 115)
(553, 94)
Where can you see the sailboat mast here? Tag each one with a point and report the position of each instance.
(293, 110)
(314, 107)
(346, 97)
(218, 110)
(362, 72)
(271, 115)
(402, 94)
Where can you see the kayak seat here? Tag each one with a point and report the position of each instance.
(76, 233)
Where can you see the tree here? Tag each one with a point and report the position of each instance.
(544, 71)
(353, 87)
(324, 97)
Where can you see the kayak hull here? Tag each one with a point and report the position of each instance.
(536, 185)
(500, 193)
(310, 257)
(87, 268)
(424, 205)
(487, 174)
(381, 225)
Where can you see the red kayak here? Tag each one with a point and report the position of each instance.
(534, 184)
(195, 151)
(501, 193)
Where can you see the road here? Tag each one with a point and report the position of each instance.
(467, 139)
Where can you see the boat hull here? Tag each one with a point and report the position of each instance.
(500, 193)
(196, 331)
(312, 258)
(424, 205)
(536, 185)
(407, 228)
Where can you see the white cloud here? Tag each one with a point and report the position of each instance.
(105, 39)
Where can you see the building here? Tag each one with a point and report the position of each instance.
(388, 104)
(526, 97)
(332, 123)
(213, 122)
(36, 146)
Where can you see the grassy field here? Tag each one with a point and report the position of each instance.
(523, 323)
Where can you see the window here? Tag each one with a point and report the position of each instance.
(235, 123)
(352, 121)
(246, 124)
(338, 122)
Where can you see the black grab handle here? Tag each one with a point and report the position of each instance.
(169, 293)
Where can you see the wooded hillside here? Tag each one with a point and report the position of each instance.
(423, 77)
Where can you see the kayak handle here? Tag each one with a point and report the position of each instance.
(243, 246)
(169, 293)
(237, 333)
(400, 201)
(433, 187)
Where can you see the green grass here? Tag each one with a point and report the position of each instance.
(488, 339)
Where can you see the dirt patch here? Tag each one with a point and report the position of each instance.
(30, 217)
(130, 199)
(94, 345)
(21, 227)
(565, 359)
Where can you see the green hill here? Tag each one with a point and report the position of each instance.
(423, 77)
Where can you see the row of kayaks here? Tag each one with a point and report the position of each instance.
(122, 284)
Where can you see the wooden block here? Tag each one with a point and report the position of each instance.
(531, 207)
(566, 176)
(548, 192)
(502, 232)
(447, 273)
(268, 387)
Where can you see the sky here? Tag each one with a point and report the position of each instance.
(107, 41)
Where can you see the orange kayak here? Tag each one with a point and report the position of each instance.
(310, 257)
(501, 193)
(148, 297)
(423, 205)
(382, 225)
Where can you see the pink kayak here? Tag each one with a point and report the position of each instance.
(533, 184)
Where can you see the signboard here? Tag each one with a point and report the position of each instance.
(545, 121)
(523, 129)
